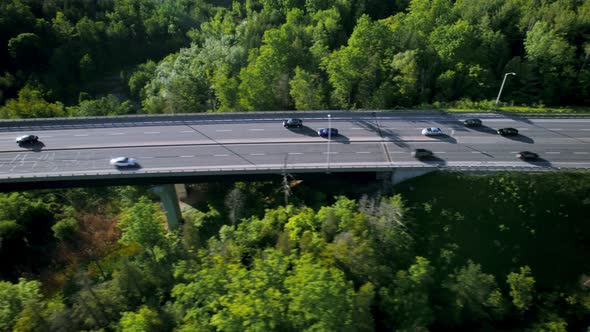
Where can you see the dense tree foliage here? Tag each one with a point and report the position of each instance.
(504, 252)
(196, 55)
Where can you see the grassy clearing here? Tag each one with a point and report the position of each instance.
(490, 106)
(504, 221)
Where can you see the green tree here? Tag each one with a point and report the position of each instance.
(143, 223)
(521, 288)
(306, 91)
(31, 104)
(144, 319)
(319, 297)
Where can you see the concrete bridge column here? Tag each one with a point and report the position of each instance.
(167, 193)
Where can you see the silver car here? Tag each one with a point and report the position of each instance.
(123, 162)
(432, 131)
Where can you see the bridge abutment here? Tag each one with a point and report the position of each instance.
(169, 199)
(399, 175)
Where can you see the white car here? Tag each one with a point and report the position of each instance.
(123, 162)
(432, 131)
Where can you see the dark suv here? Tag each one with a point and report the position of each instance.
(508, 131)
(292, 123)
(422, 153)
(472, 122)
(27, 139)
(527, 155)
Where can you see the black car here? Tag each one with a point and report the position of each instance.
(27, 139)
(328, 132)
(508, 131)
(422, 153)
(527, 155)
(292, 123)
(472, 122)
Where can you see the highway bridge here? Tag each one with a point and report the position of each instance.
(169, 148)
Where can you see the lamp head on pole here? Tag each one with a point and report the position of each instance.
(511, 73)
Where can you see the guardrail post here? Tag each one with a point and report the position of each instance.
(169, 200)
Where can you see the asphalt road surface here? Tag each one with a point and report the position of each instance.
(366, 139)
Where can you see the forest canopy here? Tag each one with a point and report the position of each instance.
(505, 252)
(191, 56)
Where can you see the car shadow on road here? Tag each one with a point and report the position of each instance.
(341, 139)
(33, 146)
(541, 162)
(445, 138)
(432, 160)
(521, 138)
(484, 129)
(129, 168)
(304, 130)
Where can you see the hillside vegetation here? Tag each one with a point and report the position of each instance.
(64, 57)
(504, 252)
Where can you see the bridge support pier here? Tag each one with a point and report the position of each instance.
(402, 174)
(169, 199)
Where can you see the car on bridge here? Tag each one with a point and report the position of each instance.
(432, 131)
(422, 153)
(292, 123)
(472, 122)
(124, 162)
(527, 155)
(508, 131)
(27, 139)
(328, 132)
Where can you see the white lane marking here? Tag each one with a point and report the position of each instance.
(522, 129)
(585, 129)
(45, 136)
(514, 151)
(476, 152)
(187, 156)
(397, 152)
(355, 128)
(555, 129)
(151, 132)
(187, 131)
(220, 155)
(331, 152)
(146, 157)
(295, 153)
(256, 129)
(81, 135)
(257, 154)
(580, 152)
(223, 130)
(439, 152)
(552, 152)
(116, 133)
(364, 152)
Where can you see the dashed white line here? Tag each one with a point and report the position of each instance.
(187, 131)
(585, 129)
(555, 129)
(116, 133)
(439, 152)
(363, 152)
(397, 152)
(151, 132)
(223, 130)
(295, 153)
(257, 154)
(80, 135)
(146, 157)
(475, 152)
(187, 156)
(552, 152)
(256, 129)
(331, 152)
(220, 155)
(580, 152)
(355, 128)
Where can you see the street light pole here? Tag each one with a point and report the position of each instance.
(502, 86)
(329, 139)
